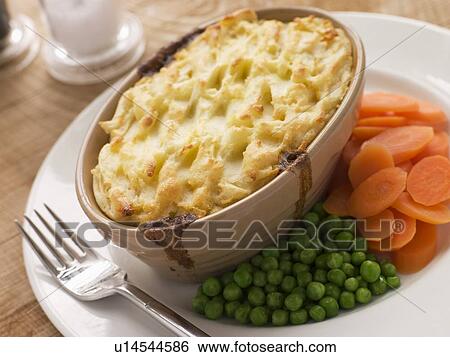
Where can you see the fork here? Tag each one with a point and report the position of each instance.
(88, 276)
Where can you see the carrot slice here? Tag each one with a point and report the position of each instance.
(437, 146)
(370, 159)
(429, 180)
(340, 176)
(378, 226)
(350, 150)
(418, 253)
(406, 166)
(437, 214)
(383, 121)
(367, 132)
(403, 142)
(427, 113)
(380, 102)
(336, 202)
(437, 127)
(377, 193)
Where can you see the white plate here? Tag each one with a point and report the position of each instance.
(420, 310)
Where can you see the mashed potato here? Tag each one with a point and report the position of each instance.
(208, 129)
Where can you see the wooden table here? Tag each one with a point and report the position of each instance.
(35, 109)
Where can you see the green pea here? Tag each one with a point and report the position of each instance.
(351, 284)
(298, 317)
(296, 255)
(212, 287)
(360, 244)
(307, 256)
(226, 278)
(378, 287)
(280, 317)
(330, 305)
(344, 239)
(230, 308)
(257, 260)
(293, 302)
(371, 257)
(304, 278)
(275, 277)
(388, 270)
(346, 256)
(288, 284)
(242, 312)
(318, 208)
(370, 271)
(335, 261)
(270, 252)
(315, 291)
(213, 310)
(245, 266)
(317, 313)
(243, 278)
(269, 263)
(348, 269)
(219, 298)
(300, 241)
(259, 316)
(358, 258)
(363, 295)
(256, 296)
(275, 300)
(299, 291)
(320, 275)
(285, 257)
(312, 217)
(321, 261)
(393, 282)
(269, 288)
(199, 303)
(286, 267)
(259, 278)
(331, 223)
(337, 277)
(232, 292)
(299, 267)
(347, 300)
(332, 290)
(312, 231)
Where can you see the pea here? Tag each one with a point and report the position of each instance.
(256, 296)
(371, 257)
(363, 295)
(330, 305)
(304, 278)
(280, 317)
(317, 313)
(315, 291)
(321, 261)
(331, 223)
(312, 231)
(393, 282)
(285, 257)
(296, 255)
(275, 277)
(299, 291)
(346, 256)
(213, 309)
(329, 246)
(245, 266)
(312, 217)
(232, 292)
(275, 300)
(293, 302)
(288, 284)
(319, 210)
(337, 277)
(269, 263)
(298, 317)
(344, 239)
(347, 300)
(259, 278)
(370, 271)
(320, 275)
(243, 278)
(358, 258)
(257, 260)
(361, 282)
(351, 284)
(299, 267)
(270, 252)
(360, 244)
(300, 241)
(335, 261)
(219, 298)
(388, 270)
(348, 269)
(199, 302)
(230, 308)
(212, 287)
(241, 313)
(307, 256)
(269, 288)
(259, 316)
(378, 287)
(332, 290)
(226, 278)
(286, 267)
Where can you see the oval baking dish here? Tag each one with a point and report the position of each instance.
(302, 181)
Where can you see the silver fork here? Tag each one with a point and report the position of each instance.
(88, 276)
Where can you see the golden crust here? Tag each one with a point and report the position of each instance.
(208, 129)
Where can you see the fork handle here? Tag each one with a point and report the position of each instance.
(160, 312)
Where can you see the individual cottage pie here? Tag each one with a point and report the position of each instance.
(209, 127)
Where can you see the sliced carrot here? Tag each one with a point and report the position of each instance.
(336, 202)
(350, 150)
(406, 166)
(370, 159)
(427, 113)
(403, 142)
(377, 193)
(378, 226)
(418, 253)
(383, 121)
(380, 102)
(339, 176)
(436, 127)
(428, 182)
(437, 214)
(367, 132)
(437, 146)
